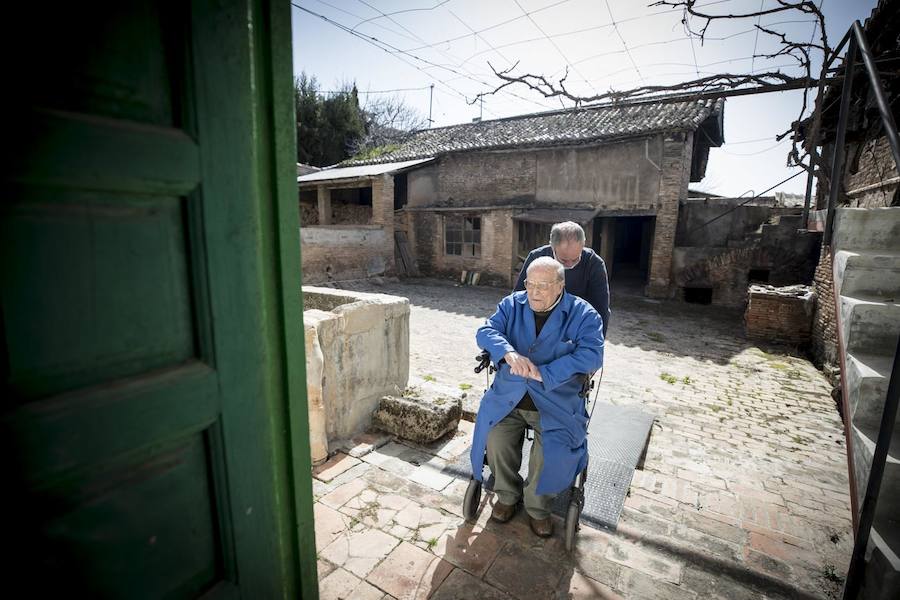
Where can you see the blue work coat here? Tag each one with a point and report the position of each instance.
(570, 343)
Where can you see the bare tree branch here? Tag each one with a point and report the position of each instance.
(800, 51)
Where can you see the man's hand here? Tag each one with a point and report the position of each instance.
(522, 366)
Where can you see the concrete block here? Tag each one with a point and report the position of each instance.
(870, 273)
(866, 228)
(418, 415)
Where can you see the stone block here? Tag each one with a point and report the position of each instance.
(419, 414)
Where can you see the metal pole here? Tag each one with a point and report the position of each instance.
(857, 560)
(887, 117)
(837, 161)
(430, 100)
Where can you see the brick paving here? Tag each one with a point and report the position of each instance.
(743, 492)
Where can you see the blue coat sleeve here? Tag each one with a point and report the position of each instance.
(492, 335)
(598, 290)
(586, 358)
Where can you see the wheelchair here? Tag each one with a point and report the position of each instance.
(472, 498)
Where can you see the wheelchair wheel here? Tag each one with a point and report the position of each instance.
(572, 516)
(472, 500)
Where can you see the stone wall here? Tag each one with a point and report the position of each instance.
(824, 333)
(780, 314)
(364, 342)
(345, 252)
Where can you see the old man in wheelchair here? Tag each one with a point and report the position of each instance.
(545, 343)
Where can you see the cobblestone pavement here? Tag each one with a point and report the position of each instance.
(743, 492)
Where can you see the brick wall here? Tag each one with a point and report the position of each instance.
(871, 164)
(780, 314)
(676, 171)
(824, 333)
(485, 178)
(495, 262)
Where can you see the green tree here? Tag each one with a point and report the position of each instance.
(328, 127)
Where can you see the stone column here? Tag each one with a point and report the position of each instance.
(383, 214)
(324, 198)
(318, 439)
(673, 185)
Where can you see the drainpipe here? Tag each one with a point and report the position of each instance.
(315, 371)
(647, 154)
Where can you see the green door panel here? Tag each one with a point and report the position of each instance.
(63, 333)
(145, 528)
(153, 423)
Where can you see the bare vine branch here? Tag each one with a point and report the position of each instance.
(800, 51)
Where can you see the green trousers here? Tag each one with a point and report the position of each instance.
(504, 454)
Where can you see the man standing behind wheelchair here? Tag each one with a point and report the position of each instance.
(586, 275)
(544, 340)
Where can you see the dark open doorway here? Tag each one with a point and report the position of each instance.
(624, 243)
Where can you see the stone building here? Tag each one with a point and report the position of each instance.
(478, 196)
(857, 320)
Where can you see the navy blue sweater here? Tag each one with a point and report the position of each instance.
(587, 280)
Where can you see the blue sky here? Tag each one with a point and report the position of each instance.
(448, 44)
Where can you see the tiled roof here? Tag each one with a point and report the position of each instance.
(573, 126)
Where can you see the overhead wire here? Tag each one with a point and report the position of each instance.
(622, 39)
(386, 47)
(555, 45)
(471, 75)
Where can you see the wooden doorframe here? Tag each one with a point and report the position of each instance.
(276, 442)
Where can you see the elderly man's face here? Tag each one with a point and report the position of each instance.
(542, 289)
(568, 253)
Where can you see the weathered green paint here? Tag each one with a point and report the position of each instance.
(155, 403)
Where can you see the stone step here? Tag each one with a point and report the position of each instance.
(867, 229)
(422, 413)
(867, 382)
(888, 507)
(869, 325)
(882, 575)
(874, 273)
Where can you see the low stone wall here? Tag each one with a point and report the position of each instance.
(780, 314)
(364, 342)
(345, 252)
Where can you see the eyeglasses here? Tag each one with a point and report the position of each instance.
(540, 286)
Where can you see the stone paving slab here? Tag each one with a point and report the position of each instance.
(743, 492)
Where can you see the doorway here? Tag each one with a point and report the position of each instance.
(625, 243)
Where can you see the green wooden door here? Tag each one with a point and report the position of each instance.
(154, 414)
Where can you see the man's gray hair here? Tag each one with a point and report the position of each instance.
(567, 231)
(549, 264)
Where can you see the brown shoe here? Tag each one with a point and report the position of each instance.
(503, 512)
(541, 527)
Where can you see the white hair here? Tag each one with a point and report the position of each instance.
(546, 263)
(567, 231)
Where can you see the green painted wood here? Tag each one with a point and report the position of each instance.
(57, 435)
(132, 248)
(155, 408)
(146, 158)
(287, 218)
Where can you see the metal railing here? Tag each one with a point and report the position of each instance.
(857, 44)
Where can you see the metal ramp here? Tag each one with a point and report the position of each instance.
(617, 437)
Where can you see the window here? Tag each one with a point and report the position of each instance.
(462, 236)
